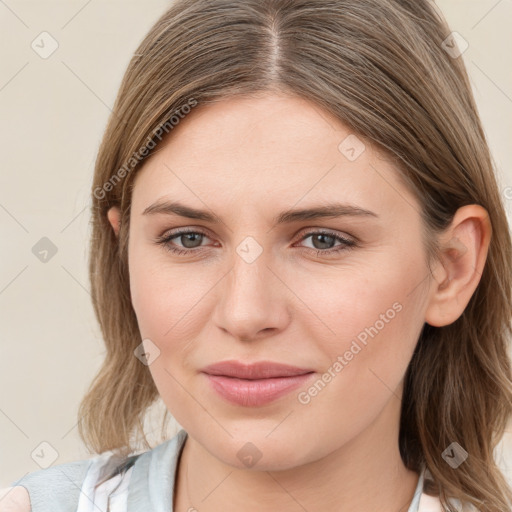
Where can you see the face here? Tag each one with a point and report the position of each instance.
(342, 297)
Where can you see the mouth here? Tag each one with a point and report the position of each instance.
(255, 371)
(255, 385)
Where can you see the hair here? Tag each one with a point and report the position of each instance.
(382, 69)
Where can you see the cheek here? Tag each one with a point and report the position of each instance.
(366, 321)
(170, 312)
(172, 306)
(165, 298)
(376, 322)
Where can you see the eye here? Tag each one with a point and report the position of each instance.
(322, 241)
(189, 239)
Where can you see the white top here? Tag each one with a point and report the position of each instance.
(140, 483)
(112, 495)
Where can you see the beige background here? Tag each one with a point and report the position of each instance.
(53, 113)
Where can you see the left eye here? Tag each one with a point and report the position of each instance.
(326, 238)
(190, 239)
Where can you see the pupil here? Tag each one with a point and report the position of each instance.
(188, 238)
(322, 238)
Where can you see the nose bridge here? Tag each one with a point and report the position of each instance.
(250, 298)
(250, 279)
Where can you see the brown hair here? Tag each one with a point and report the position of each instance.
(381, 67)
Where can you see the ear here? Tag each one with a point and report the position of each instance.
(114, 217)
(465, 246)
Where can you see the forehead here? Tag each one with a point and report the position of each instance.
(270, 149)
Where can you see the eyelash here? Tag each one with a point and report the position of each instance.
(166, 239)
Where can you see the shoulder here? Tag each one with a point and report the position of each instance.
(105, 482)
(14, 499)
(59, 485)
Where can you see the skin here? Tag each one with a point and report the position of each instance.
(14, 499)
(247, 159)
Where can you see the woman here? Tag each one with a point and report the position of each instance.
(299, 245)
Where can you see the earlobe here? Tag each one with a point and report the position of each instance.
(464, 248)
(114, 217)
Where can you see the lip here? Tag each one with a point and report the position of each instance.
(257, 370)
(255, 384)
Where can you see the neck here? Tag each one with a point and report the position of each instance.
(363, 475)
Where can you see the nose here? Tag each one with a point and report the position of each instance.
(253, 301)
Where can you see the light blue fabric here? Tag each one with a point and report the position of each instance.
(151, 485)
(415, 503)
(152, 481)
(56, 488)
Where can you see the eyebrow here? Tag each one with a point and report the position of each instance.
(329, 210)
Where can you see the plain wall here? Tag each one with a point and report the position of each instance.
(53, 113)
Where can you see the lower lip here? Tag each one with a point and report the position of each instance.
(253, 393)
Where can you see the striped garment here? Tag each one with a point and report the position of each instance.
(139, 483)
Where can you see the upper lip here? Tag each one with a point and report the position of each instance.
(258, 370)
